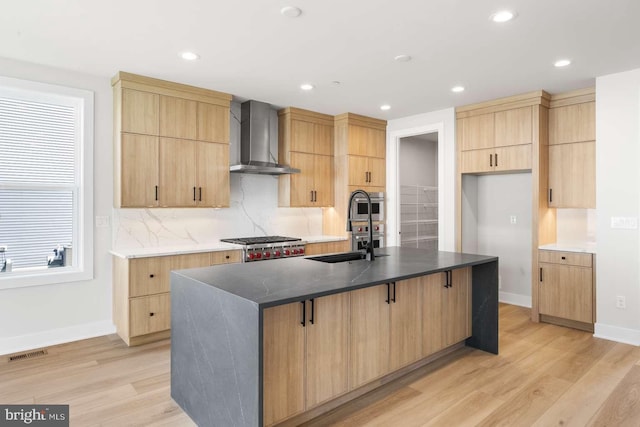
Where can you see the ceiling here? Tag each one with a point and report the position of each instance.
(247, 48)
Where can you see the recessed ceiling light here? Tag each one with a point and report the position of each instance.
(385, 107)
(290, 11)
(189, 56)
(503, 16)
(562, 63)
(403, 58)
(306, 86)
(457, 89)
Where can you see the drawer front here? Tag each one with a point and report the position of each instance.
(565, 258)
(149, 314)
(149, 276)
(226, 257)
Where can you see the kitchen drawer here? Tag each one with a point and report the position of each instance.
(565, 258)
(226, 257)
(149, 314)
(149, 276)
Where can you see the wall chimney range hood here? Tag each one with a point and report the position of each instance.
(255, 154)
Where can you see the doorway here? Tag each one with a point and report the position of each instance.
(418, 185)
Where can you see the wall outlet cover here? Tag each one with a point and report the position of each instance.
(621, 302)
(102, 221)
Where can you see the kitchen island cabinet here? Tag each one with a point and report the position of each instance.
(242, 356)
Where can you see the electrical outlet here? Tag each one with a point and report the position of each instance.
(102, 221)
(514, 219)
(621, 302)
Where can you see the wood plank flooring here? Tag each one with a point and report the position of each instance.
(545, 375)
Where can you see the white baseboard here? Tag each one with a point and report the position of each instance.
(55, 336)
(515, 299)
(617, 333)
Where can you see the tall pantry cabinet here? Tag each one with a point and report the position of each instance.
(505, 136)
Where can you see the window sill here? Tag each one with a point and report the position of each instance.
(42, 276)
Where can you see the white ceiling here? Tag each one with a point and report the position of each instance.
(250, 50)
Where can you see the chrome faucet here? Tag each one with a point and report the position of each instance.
(369, 249)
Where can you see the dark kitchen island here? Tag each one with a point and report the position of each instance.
(257, 343)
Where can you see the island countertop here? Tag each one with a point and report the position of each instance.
(277, 282)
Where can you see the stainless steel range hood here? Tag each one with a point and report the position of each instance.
(255, 155)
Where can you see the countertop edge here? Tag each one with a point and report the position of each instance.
(569, 247)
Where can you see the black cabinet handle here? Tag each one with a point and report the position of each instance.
(448, 278)
(156, 193)
(394, 292)
(311, 195)
(200, 198)
(491, 160)
(496, 159)
(313, 307)
(152, 314)
(152, 276)
(315, 196)
(227, 257)
(541, 274)
(194, 194)
(388, 300)
(564, 257)
(550, 195)
(304, 313)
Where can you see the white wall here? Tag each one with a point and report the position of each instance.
(618, 194)
(44, 315)
(491, 201)
(419, 160)
(443, 122)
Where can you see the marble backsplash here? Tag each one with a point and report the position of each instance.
(253, 211)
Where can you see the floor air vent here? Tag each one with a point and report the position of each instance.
(30, 355)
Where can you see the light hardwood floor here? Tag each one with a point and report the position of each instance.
(545, 375)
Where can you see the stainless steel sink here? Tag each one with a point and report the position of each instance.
(342, 257)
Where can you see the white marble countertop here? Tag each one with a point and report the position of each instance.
(203, 247)
(585, 247)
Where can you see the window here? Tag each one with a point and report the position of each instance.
(46, 155)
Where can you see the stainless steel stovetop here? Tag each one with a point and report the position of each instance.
(268, 247)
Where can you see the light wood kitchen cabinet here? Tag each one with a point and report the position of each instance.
(138, 111)
(566, 288)
(326, 247)
(499, 141)
(476, 132)
(283, 361)
(159, 129)
(305, 142)
(178, 117)
(140, 170)
(572, 150)
(305, 355)
(141, 292)
(406, 323)
(193, 173)
(370, 329)
(446, 304)
(572, 181)
(360, 150)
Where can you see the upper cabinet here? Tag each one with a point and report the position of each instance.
(305, 142)
(171, 144)
(495, 138)
(572, 150)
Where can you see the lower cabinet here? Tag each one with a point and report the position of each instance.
(565, 289)
(141, 292)
(319, 349)
(370, 331)
(305, 356)
(446, 308)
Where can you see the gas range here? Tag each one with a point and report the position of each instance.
(268, 247)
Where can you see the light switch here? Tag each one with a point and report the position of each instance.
(102, 221)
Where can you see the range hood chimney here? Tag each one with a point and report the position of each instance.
(255, 156)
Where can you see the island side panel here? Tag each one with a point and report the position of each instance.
(214, 354)
(484, 307)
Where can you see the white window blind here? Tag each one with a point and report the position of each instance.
(38, 176)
